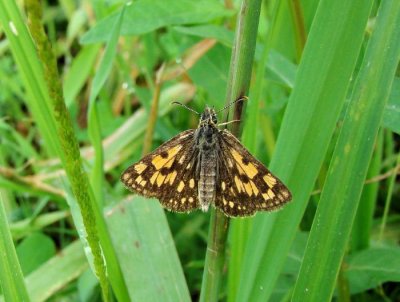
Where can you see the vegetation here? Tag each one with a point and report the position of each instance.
(86, 89)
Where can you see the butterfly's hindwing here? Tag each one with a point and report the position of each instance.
(167, 174)
(244, 185)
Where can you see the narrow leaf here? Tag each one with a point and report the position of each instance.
(163, 13)
(341, 193)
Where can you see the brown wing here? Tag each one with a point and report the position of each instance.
(168, 174)
(244, 184)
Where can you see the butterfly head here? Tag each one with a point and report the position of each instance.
(208, 117)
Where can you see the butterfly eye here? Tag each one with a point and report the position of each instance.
(214, 118)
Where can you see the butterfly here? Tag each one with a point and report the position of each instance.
(204, 166)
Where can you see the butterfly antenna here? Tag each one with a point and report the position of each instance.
(243, 98)
(183, 105)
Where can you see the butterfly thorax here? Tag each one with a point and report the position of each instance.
(207, 169)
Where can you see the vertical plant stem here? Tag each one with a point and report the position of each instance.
(70, 154)
(242, 56)
(238, 84)
(343, 285)
(298, 26)
(215, 256)
(240, 229)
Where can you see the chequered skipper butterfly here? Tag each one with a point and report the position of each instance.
(204, 166)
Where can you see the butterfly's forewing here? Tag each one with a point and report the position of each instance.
(245, 185)
(168, 174)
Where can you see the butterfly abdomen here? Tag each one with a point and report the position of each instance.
(206, 141)
(207, 179)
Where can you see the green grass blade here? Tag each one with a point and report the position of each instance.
(11, 278)
(310, 119)
(339, 200)
(79, 72)
(24, 53)
(146, 252)
(23, 228)
(94, 128)
(56, 273)
(361, 231)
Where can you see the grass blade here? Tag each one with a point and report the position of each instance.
(57, 272)
(321, 84)
(31, 72)
(79, 72)
(361, 231)
(11, 278)
(147, 254)
(337, 208)
(94, 129)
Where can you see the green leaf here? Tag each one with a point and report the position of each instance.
(282, 68)
(26, 226)
(216, 61)
(369, 268)
(88, 287)
(56, 273)
(34, 250)
(220, 33)
(146, 251)
(148, 15)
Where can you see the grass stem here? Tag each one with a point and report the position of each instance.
(238, 84)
